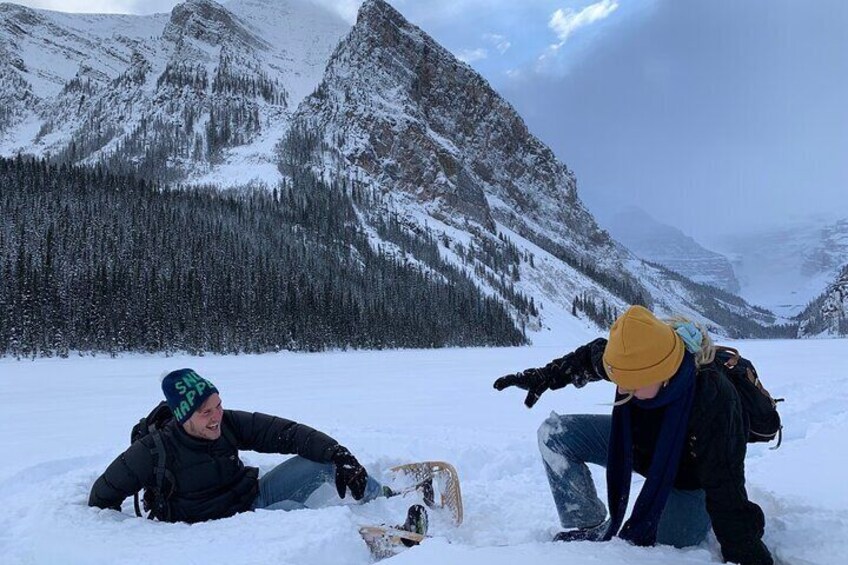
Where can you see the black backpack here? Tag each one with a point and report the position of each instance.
(758, 406)
(155, 499)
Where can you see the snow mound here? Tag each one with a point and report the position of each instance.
(62, 422)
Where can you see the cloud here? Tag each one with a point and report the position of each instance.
(88, 6)
(471, 55)
(515, 74)
(500, 42)
(347, 9)
(694, 99)
(565, 22)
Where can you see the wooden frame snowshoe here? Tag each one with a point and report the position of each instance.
(438, 482)
(386, 541)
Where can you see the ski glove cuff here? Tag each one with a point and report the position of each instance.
(349, 473)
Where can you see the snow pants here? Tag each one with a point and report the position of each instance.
(300, 483)
(568, 443)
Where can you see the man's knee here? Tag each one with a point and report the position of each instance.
(553, 434)
(548, 428)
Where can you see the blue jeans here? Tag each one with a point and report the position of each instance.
(300, 483)
(569, 442)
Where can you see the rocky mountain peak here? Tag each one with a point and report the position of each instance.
(417, 119)
(17, 19)
(378, 10)
(7, 9)
(210, 23)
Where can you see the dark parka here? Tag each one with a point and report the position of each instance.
(210, 479)
(714, 455)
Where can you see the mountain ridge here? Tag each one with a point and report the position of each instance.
(393, 115)
(668, 246)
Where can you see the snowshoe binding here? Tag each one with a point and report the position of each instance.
(386, 541)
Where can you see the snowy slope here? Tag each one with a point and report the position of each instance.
(827, 315)
(53, 47)
(43, 52)
(63, 421)
(101, 87)
(660, 243)
(784, 269)
(301, 36)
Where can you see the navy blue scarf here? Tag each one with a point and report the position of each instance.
(676, 397)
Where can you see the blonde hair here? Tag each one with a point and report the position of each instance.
(707, 353)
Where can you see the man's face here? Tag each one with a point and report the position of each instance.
(205, 423)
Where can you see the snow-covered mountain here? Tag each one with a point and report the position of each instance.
(398, 112)
(784, 269)
(664, 244)
(220, 93)
(161, 95)
(827, 315)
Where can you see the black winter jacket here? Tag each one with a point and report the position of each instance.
(210, 479)
(714, 457)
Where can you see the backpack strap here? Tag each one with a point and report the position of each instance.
(734, 355)
(161, 508)
(151, 425)
(137, 432)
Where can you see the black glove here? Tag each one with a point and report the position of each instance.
(349, 473)
(534, 381)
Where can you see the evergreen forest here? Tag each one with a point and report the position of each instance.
(94, 261)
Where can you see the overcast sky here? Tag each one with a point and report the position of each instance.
(707, 113)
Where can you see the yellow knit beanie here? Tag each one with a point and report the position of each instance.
(641, 350)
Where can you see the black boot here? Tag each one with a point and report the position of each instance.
(591, 533)
(416, 522)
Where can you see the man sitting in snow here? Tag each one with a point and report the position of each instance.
(206, 479)
(677, 421)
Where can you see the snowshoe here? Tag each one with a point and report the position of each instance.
(386, 541)
(438, 483)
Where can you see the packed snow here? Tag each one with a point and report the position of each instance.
(63, 420)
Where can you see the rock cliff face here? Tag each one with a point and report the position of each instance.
(827, 314)
(671, 248)
(412, 116)
(416, 122)
(209, 23)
